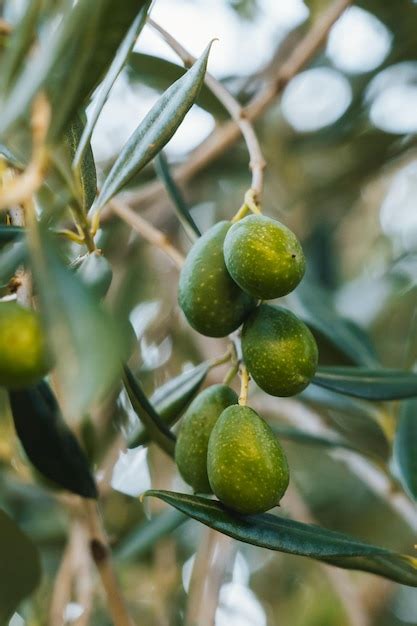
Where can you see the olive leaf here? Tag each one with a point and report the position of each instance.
(49, 444)
(8, 234)
(155, 426)
(155, 130)
(304, 437)
(286, 535)
(171, 399)
(370, 384)
(405, 447)
(315, 307)
(163, 171)
(103, 91)
(85, 171)
(71, 60)
(359, 421)
(145, 535)
(20, 568)
(88, 345)
(159, 74)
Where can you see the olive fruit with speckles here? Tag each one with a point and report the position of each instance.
(23, 354)
(193, 438)
(263, 257)
(212, 302)
(247, 467)
(279, 351)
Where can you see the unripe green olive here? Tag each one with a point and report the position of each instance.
(212, 302)
(193, 437)
(263, 257)
(247, 467)
(24, 358)
(279, 351)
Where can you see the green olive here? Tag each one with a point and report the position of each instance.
(212, 302)
(263, 257)
(24, 358)
(247, 467)
(196, 426)
(279, 351)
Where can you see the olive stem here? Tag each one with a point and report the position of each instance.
(244, 385)
(224, 358)
(229, 133)
(230, 375)
(249, 204)
(257, 162)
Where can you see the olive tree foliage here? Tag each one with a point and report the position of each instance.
(72, 248)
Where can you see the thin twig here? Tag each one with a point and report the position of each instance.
(61, 594)
(215, 555)
(22, 281)
(100, 552)
(148, 232)
(225, 136)
(244, 385)
(257, 162)
(21, 187)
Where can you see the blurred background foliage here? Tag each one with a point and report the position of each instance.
(342, 172)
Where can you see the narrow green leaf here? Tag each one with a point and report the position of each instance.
(143, 538)
(405, 447)
(155, 130)
(85, 173)
(316, 308)
(292, 537)
(171, 399)
(49, 444)
(155, 426)
(359, 421)
(102, 94)
(304, 437)
(19, 44)
(88, 345)
(361, 382)
(20, 569)
(159, 74)
(71, 60)
(96, 274)
(163, 171)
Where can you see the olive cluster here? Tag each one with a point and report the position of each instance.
(222, 447)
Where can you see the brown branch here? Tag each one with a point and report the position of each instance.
(147, 231)
(225, 136)
(100, 552)
(22, 281)
(257, 162)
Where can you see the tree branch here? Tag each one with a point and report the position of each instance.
(225, 136)
(100, 552)
(257, 162)
(147, 231)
